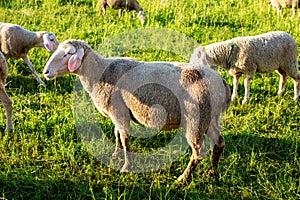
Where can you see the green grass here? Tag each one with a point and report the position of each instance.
(45, 158)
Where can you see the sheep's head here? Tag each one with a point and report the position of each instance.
(50, 41)
(67, 58)
(142, 16)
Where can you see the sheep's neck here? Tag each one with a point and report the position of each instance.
(90, 71)
(219, 55)
(34, 39)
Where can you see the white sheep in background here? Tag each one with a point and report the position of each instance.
(7, 102)
(278, 4)
(124, 4)
(268, 52)
(121, 89)
(15, 42)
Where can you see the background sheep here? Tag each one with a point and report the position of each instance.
(7, 103)
(273, 51)
(125, 89)
(124, 4)
(278, 4)
(15, 42)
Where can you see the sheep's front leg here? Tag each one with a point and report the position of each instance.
(236, 78)
(30, 65)
(247, 82)
(118, 150)
(125, 143)
(7, 103)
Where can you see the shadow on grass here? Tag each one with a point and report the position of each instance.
(29, 85)
(272, 148)
(104, 183)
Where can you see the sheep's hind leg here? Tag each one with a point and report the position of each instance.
(125, 143)
(120, 14)
(282, 81)
(7, 103)
(296, 89)
(294, 74)
(247, 82)
(195, 142)
(214, 133)
(217, 151)
(30, 65)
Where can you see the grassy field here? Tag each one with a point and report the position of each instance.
(45, 158)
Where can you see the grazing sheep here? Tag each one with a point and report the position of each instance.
(278, 4)
(126, 89)
(124, 4)
(15, 42)
(7, 103)
(268, 52)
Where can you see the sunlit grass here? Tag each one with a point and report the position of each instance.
(44, 156)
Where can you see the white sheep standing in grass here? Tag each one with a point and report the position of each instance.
(279, 4)
(123, 90)
(124, 4)
(7, 102)
(15, 42)
(264, 53)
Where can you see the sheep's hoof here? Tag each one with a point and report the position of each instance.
(117, 153)
(244, 101)
(10, 128)
(126, 168)
(233, 99)
(296, 98)
(41, 83)
(181, 179)
(211, 171)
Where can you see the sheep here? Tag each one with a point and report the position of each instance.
(124, 4)
(127, 89)
(7, 102)
(278, 4)
(264, 53)
(15, 42)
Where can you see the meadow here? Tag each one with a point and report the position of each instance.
(45, 158)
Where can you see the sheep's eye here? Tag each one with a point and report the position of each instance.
(69, 53)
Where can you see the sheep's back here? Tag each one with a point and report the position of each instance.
(14, 40)
(266, 52)
(154, 94)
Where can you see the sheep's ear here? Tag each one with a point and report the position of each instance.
(47, 42)
(75, 60)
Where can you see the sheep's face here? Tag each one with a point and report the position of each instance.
(64, 60)
(50, 41)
